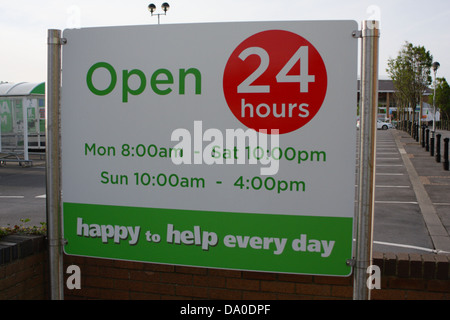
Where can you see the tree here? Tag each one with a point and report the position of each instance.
(443, 97)
(410, 72)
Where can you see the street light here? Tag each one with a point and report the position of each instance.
(435, 67)
(165, 7)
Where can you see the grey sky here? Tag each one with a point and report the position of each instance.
(24, 24)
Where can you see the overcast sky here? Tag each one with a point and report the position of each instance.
(24, 24)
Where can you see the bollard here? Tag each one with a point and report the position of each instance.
(446, 163)
(417, 132)
(427, 143)
(438, 147)
(423, 136)
(432, 144)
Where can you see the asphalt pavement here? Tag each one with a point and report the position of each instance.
(22, 193)
(412, 196)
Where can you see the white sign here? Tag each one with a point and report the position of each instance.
(177, 134)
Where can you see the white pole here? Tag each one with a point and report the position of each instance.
(366, 193)
(53, 165)
(25, 103)
(0, 133)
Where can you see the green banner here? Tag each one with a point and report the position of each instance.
(243, 241)
(6, 116)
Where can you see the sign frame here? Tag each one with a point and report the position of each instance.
(75, 229)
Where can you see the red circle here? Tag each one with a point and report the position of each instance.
(255, 96)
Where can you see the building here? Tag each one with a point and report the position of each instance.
(387, 106)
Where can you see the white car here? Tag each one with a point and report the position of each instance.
(380, 125)
(383, 125)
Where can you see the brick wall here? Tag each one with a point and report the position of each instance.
(23, 268)
(24, 275)
(110, 279)
(413, 276)
(404, 277)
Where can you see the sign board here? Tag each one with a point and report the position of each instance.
(222, 145)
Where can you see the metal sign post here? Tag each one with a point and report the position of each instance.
(366, 193)
(53, 165)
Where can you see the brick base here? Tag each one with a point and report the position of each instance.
(24, 275)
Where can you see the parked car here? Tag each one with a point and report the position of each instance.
(380, 125)
(383, 125)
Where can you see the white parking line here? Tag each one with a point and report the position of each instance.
(409, 246)
(389, 165)
(379, 186)
(397, 202)
(12, 197)
(22, 197)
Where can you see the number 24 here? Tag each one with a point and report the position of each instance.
(304, 78)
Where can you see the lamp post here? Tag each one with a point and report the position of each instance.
(165, 6)
(435, 67)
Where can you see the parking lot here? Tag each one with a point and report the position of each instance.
(22, 193)
(412, 202)
(412, 206)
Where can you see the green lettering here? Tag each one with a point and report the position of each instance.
(320, 156)
(105, 178)
(89, 149)
(198, 80)
(126, 89)
(154, 82)
(112, 73)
